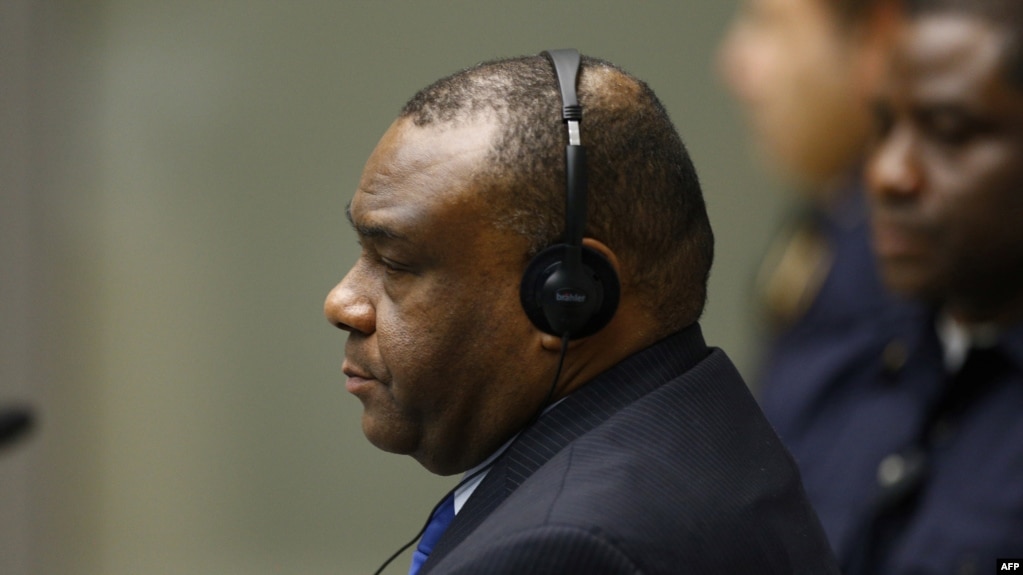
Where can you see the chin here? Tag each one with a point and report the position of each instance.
(910, 282)
(387, 436)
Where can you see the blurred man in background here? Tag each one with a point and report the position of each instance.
(942, 462)
(906, 426)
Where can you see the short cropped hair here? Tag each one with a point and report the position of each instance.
(645, 200)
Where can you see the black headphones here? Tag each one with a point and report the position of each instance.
(567, 289)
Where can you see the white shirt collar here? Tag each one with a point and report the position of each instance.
(957, 339)
(466, 488)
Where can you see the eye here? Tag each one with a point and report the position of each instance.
(951, 127)
(392, 267)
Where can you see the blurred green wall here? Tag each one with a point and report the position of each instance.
(173, 186)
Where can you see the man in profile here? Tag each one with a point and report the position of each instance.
(539, 335)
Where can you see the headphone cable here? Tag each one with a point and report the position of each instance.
(554, 384)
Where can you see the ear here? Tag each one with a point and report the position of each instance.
(552, 342)
(601, 248)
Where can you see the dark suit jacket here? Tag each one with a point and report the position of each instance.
(663, 464)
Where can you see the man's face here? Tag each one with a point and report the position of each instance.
(439, 351)
(946, 175)
(797, 73)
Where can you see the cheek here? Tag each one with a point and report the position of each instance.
(740, 62)
(773, 73)
(426, 340)
(451, 362)
(456, 345)
(802, 88)
(409, 340)
(977, 207)
(982, 190)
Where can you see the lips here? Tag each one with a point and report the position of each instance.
(359, 379)
(899, 238)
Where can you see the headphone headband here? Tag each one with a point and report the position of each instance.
(566, 66)
(568, 290)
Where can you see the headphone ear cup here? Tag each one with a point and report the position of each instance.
(557, 303)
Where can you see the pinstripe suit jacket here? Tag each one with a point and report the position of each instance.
(663, 464)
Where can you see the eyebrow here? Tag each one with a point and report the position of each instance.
(371, 231)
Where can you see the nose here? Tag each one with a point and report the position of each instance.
(893, 169)
(348, 307)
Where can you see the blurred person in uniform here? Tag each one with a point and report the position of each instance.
(913, 454)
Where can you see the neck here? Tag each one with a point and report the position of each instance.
(629, 332)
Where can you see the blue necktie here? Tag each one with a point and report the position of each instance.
(439, 522)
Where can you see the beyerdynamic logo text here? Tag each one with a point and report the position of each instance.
(570, 296)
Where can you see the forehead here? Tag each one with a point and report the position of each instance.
(946, 56)
(413, 167)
